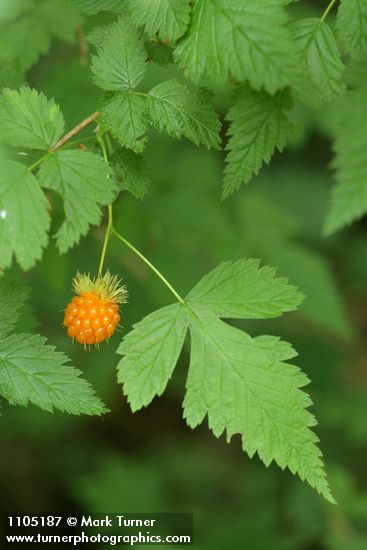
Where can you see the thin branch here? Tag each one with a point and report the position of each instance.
(328, 8)
(75, 131)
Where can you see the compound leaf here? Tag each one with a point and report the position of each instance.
(120, 60)
(244, 385)
(33, 372)
(320, 60)
(169, 18)
(150, 354)
(247, 40)
(177, 111)
(125, 116)
(83, 181)
(24, 220)
(351, 25)
(29, 119)
(259, 125)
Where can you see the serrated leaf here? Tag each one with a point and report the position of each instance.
(120, 60)
(259, 125)
(244, 290)
(245, 387)
(150, 354)
(33, 372)
(321, 62)
(124, 115)
(242, 384)
(24, 220)
(98, 35)
(246, 40)
(29, 119)
(351, 25)
(349, 195)
(17, 52)
(84, 183)
(177, 111)
(169, 18)
(131, 172)
(12, 298)
(91, 7)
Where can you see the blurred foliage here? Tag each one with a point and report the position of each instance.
(151, 461)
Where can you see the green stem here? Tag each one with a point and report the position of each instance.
(68, 144)
(329, 7)
(143, 94)
(150, 265)
(38, 162)
(109, 230)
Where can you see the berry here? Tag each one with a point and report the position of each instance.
(92, 315)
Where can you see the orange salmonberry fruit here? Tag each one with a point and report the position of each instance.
(93, 314)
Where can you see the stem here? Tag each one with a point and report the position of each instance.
(109, 230)
(324, 15)
(44, 157)
(35, 164)
(91, 118)
(149, 264)
(143, 94)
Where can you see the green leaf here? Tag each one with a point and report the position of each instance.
(24, 220)
(90, 7)
(29, 119)
(244, 290)
(124, 115)
(169, 18)
(120, 60)
(351, 25)
(131, 172)
(320, 60)
(17, 51)
(12, 298)
(349, 196)
(244, 386)
(150, 354)
(177, 111)
(83, 181)
(246, 40)
(33, 372)
(259, 125)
